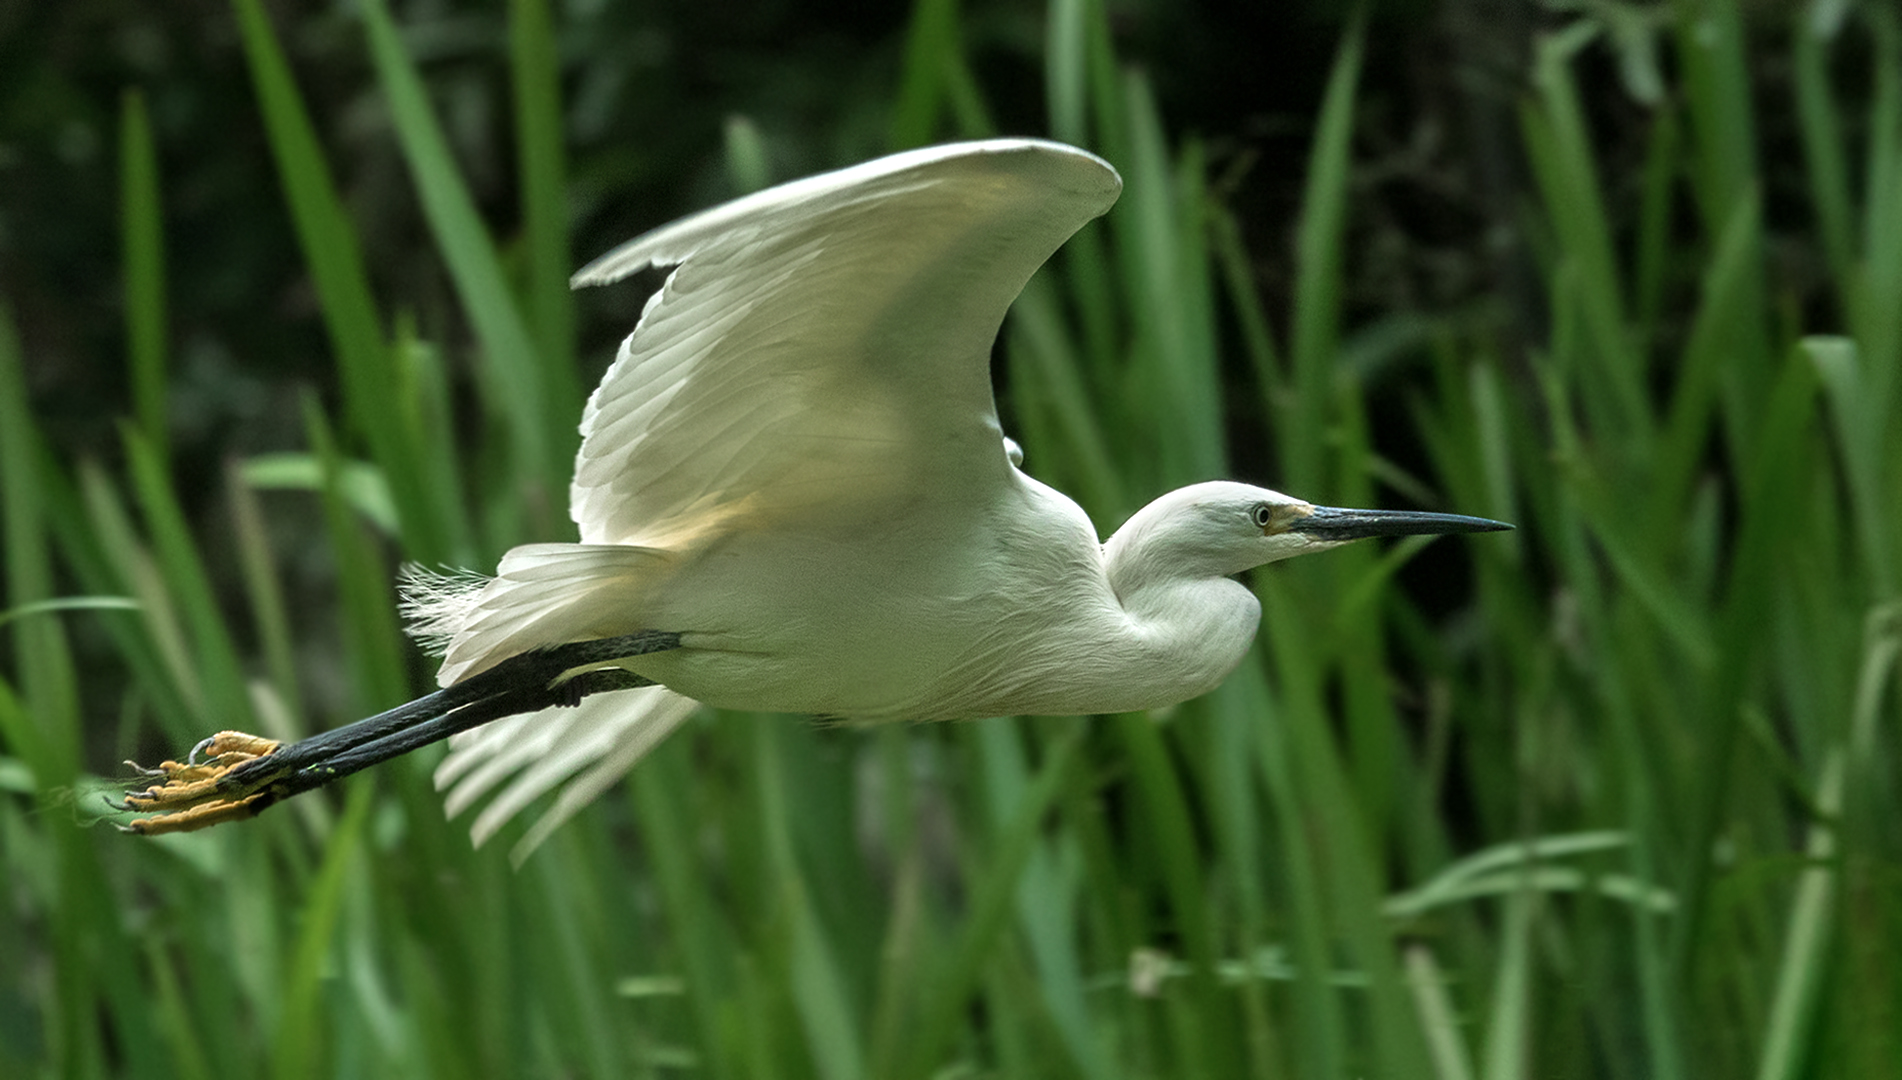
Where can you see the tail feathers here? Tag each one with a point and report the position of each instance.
(536, 752)
(542, 594)
(436, 604)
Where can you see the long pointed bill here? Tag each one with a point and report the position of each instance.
(232, 775)
(1337, 525)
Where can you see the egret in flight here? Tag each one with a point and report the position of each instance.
(794, 496)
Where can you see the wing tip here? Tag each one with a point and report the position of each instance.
(1087, 175)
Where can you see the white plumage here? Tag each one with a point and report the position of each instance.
(795, 463)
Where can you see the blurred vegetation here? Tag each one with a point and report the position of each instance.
(282, 303)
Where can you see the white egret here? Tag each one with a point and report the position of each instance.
(794, 495)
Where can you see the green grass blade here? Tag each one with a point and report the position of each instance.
(1244, 298)
(1315, 323)
(747, 161)
(541, 152)
(1807, 956)
(182, 569)
(1320, 1035)
(69, 603)
(265, 592)
(1805, 942)
(143, 227)
(1724, 328)
(1063, 436)
(540, 418)
(39, 648)
(989, 911)
(370, 384)
(1451, 1060)
(1857, 416)
(1509, 1027)
(932, 49)
(1568, 175)
(818, 988)
(301, 1043)
(1763, 539)
(128, 564)
(377, 650)
(1168, 294)
(1716, 80)
(699, 935)
(1179, 864)
(1044, 906)
(1877, 322)
(1820, 127)
(1066, 69)
(1655, 224)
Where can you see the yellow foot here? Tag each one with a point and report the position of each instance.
(189, 796)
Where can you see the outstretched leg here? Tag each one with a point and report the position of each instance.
(233, 775)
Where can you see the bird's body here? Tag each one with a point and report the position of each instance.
(1015, 608)
(794, 474)
(795, 461)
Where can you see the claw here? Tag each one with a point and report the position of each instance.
(191, 795)
(201, 816)
(227, 743)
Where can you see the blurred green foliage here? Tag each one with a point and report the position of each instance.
(282, 303)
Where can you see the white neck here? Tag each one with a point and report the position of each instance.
(1193, 623)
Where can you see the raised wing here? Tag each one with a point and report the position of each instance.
(823, 347)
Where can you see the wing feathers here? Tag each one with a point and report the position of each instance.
(827, 331)
(820, 350)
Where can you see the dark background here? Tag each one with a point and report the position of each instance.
(648, 88)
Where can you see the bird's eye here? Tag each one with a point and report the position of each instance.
(1263, 514)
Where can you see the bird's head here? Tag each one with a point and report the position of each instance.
(1221, 528)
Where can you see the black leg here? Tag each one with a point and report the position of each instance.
(246, 774)
(337, 764)
(521, 682)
